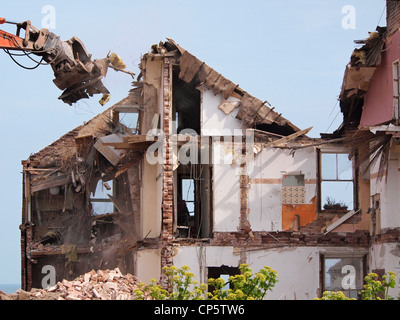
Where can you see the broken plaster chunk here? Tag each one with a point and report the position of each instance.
(116, 61)
(228, 106)
(104, 99)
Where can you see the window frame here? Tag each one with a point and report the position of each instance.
(354, 180)
(218, 272)
(361, 255)
(103, 200)
(396, 89)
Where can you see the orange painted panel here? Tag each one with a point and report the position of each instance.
(307, 213)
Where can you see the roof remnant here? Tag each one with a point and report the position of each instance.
(252, 111)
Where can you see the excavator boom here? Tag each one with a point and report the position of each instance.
(9, 41)
(73, 68)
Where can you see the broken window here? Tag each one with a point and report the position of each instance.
(343, 274)
(396, 90)
(336, 182)
(193, 213)
(186, 207)
(129, 120)
(223, 272)
(101, 202)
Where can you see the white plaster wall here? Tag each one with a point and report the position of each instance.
(386, 256)
(389, 193)
(298, 271)
(271, 163)
(265, 199)
(214, 122)
(151, 192)
(265, 207)
(298, 268)
(390, 216)
(226, 189)
(218, 256)
(193, 257)
(148, 264)
(198, 258)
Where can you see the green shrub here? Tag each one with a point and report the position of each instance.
(183, 286)
(373, 289)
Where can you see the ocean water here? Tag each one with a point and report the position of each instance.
(9, 288)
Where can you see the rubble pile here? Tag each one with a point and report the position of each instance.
(100, 285)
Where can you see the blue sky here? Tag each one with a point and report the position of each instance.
(290, 52)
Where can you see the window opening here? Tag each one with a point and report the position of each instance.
(101, 203)
(396, 91)
(186, 104)
(343, 274)
(129, 120)
(193, 201)
(337, 183)
(223, 272)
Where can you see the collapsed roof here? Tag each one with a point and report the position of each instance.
(358, 75)
(252, 111)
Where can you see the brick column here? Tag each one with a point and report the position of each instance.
(392, 15)
(245, 231)
(168, 183)
(26, 232)
(23, 235)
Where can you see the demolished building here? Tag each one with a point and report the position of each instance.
(212, 177)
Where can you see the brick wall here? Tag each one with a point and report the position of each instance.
(270, 240)
(392, 15)
(168, 195)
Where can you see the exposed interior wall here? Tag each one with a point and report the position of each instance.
(147, 264)
(151, 200)
(193, 257)
(217, 256)
(298, 268)
(387, 188)
(152, 72)
(266, 212)
(216, 122)
(298, 271)
(391, 216)
(386, 256)
(226, 189)
(199, 258)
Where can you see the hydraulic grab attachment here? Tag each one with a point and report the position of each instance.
(73, 68)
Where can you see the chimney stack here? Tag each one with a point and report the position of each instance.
(392, 15)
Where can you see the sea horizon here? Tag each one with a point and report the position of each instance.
(9, 288)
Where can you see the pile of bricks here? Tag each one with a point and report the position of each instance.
(100, 285)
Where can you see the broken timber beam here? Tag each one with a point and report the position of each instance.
(341, 220)
(291, 137)
(48, 183)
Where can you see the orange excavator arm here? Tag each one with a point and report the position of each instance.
(8, 40)
(74, 71)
